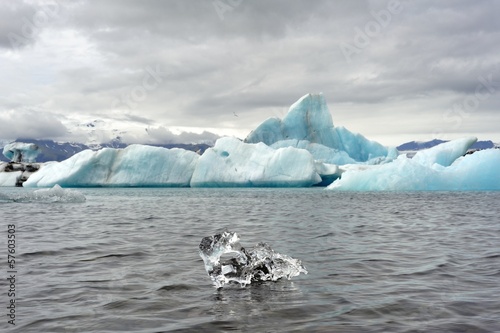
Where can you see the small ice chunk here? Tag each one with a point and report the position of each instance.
(58, 194)
(262, 263)
(50, 195)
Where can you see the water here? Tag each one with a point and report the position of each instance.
(126, 260)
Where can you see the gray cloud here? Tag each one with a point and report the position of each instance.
(13, 16)
(30, 124)
(162, 135)
(94, 60)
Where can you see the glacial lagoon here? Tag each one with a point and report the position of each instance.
(126, 259)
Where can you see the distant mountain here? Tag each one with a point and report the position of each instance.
(418, 145)
(59, 151)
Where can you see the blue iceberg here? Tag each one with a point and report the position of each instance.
(232, 162)
(445, 167)
(309, 125)
(301, 150)
(21, 152)
(136, 165)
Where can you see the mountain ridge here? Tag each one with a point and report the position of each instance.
(59, 151)
(419, 145)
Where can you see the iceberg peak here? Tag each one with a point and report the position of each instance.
(309, 121)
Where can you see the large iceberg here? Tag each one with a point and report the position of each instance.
(232, 162)
(308, 124)
(136, 165)
(442, 167)
(229, 163)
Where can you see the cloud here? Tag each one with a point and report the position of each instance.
(22, 21)
(162, 135)
(94, 60)
(30, 124)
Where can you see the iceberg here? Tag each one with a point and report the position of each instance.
(320, 152)
(309, 125)
(303, 149)
(21, 152)
(439, 168)
(136, 165)
(261, 263)
(232, 163)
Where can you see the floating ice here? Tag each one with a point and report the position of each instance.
(232, 162)
(308, 124)
(435, 169)
(244, 267)
(46, 195)
(136, 165)
(21, 152)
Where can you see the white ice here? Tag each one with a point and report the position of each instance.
(14, 173)
(445, 153)
(261, 263)
(439, 168)
(136, 165)
(232, 162)
(9, 178)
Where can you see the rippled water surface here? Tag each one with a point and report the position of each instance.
(126, 260)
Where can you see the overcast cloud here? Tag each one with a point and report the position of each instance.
(148, 71)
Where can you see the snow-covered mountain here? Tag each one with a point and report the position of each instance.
(98, 133)
(59, 151)
(93, 133)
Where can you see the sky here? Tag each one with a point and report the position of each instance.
(190, 71)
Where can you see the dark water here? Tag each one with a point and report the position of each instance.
(126, 260)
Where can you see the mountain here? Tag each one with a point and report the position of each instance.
(419, 145)
(59, 151)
